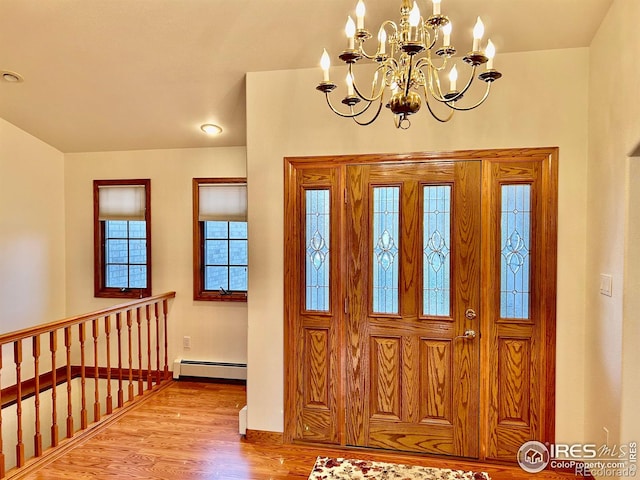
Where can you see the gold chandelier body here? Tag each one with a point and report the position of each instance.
(410, 72)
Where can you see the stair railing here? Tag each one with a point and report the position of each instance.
(112, 356)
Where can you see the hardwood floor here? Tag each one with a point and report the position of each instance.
(190, 431)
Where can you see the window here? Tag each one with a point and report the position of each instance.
(220, 246)
(122, 238)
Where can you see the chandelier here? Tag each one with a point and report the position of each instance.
(410, 59)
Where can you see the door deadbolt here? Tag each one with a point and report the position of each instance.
(470, 314)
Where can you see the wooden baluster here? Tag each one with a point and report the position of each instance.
(149, 378)
(96, 373)
(155, 308)
(67, 344)
(119, 329)
(37, 438)
(2, 464)
(17, 358)
(130, 385)
(107, 332)
(53, 347)
(82, 334)
(140, 377)
(165, 312)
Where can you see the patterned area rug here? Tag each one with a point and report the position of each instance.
(344, 469)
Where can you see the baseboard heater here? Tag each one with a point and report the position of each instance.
(195, 368)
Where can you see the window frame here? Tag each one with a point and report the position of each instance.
(99, 233)
(199, 292)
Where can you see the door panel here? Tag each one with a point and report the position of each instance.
(314, 307)
(517, 322)
(413, 245)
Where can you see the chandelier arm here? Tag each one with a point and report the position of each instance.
(437, 96)
(364, 109)
(428, 62)
(392, 64)
(423, 62)
(374, 96)
(435, 37)
(434, 114)
(441, 98)
(465, 109)
(365, 54)
(347, 115)
(466, 87)
(375, 55)
(373, 119)
(392, 38)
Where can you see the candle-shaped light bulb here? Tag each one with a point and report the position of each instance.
(436, 7)
(382, 39)
(349, 85)
(325, 63)
(478, 32)
(490, 52)
(414, 20)
(453, 79)
(360, 10)
(447, 34)
(350, 30)
(414, 15)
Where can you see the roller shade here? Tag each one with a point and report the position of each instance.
(121, 202)
(222, 201)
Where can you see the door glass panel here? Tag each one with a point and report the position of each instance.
(515, 251)
(386, 221)
(317, 250)
(436, 261)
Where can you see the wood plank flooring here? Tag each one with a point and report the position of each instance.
(190, 431)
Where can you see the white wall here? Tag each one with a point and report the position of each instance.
(613, 337)
(32, 218)
(218, 330)
(540, 101)
(629, 415)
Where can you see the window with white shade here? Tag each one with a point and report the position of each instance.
(220, 245)
(122, 238)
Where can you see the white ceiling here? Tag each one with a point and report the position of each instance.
(104, 75)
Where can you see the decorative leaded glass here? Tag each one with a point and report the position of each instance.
(436, 264)
(386, 220)
(317, 250)
(515, 250)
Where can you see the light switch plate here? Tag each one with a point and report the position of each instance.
(606, 284)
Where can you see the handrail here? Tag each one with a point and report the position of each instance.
(67, 322)
(87, 353)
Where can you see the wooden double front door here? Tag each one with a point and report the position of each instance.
(401, 332)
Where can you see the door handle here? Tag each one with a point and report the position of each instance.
(468, 335)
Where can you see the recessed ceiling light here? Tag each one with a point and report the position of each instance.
(11, 77)
(211, 129)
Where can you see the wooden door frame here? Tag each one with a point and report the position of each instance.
(491, 159)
